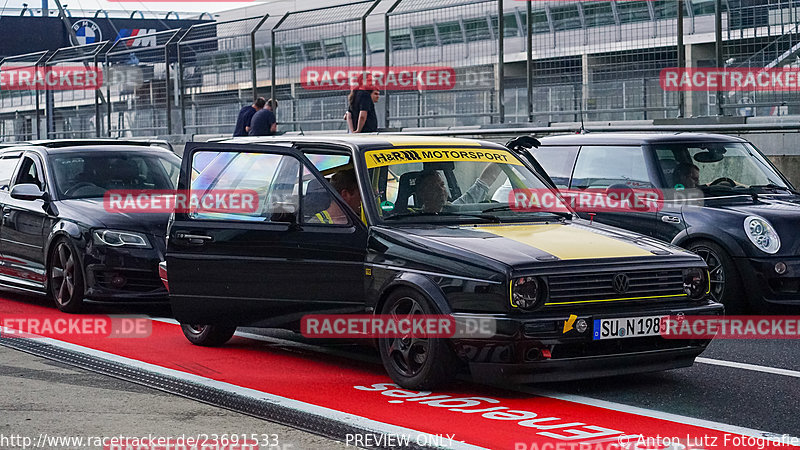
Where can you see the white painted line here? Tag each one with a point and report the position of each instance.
(745, 366)
(284, 402)
(726, 428)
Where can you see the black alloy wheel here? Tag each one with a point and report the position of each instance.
(65, 277)
(415, 362)
(726, 285)
(207, 335)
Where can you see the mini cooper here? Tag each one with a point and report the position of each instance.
(403, 226)
(722, 199)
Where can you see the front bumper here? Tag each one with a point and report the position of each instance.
(764, 285)
(120, 274)
(529, 350)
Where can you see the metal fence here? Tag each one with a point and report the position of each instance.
(514, 62)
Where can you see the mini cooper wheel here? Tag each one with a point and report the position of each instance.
(418, 363)
(726, 286)
(65, 277)
(207, 335)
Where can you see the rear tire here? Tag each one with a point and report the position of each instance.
(413, 362)
(207, 335)
(65, 283)
(726, 285)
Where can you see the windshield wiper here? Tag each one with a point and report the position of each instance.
(487, 217)
(774, 186)
(565, 215)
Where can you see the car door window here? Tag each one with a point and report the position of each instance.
(274, 178)
(29, 173)
(604, 166)
(557, 162)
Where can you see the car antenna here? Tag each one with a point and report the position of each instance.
(583, 129)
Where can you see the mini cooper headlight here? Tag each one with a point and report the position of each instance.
(761, 234)
(695, 282)
(526, 292)
(120, 239)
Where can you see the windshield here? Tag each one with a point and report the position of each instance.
(729, 166)
(441, 185)
(91, 174)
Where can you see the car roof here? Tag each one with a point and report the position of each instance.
(635, 138)
(365, 142)
(100, 145)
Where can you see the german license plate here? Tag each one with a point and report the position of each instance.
(628, 327)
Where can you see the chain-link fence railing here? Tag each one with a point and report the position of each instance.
(20, 109)
(217, 67)
(507, 62)
(143, 105)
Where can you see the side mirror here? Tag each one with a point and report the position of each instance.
(27, 191)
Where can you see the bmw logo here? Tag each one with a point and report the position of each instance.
(87, 32)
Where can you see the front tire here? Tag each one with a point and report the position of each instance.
(726, 285)
(415, 362)
(207, 335)
(65, 277)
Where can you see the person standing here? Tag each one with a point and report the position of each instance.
(363, 116)
(264, 122)
(245, 115)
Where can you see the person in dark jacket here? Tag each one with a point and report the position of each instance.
(264, 122)
(246, 115)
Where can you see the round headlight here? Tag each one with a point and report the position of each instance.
(526, 292)
(761, 234)
(695, 283)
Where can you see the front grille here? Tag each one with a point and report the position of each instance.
(588, 287)
(135, 280)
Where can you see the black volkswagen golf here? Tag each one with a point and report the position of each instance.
(58, 238)
(722, 199)
(402, 226)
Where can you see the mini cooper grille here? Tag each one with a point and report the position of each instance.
(568, 289)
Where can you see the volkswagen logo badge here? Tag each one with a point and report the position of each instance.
(621, 283)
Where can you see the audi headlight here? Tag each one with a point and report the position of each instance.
(526, 292)
(114, 238)
(762, 235)
(696, 283)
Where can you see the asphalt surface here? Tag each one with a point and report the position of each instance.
(744, 397)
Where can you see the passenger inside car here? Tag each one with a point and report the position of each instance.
(687, 175)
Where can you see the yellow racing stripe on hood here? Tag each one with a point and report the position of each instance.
(567, 242)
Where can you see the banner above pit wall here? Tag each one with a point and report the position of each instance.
(21, 35)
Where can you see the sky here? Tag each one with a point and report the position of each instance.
(143, 5)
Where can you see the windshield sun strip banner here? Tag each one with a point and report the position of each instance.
(380, 158)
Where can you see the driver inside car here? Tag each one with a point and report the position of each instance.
(687, 175)
(432, 192)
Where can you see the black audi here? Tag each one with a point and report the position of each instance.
(58, 238)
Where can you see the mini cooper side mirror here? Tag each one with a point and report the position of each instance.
(28, 191)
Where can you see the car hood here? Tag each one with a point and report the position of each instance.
(92, 212)
(530, 243)
(766, 206)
